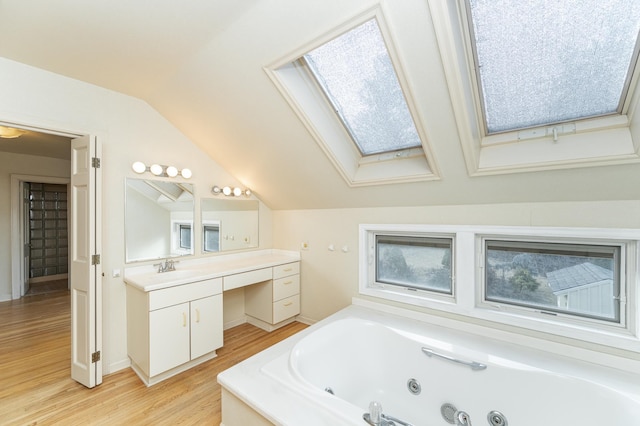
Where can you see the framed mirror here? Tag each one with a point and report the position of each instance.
(159, 219)
(228, 224)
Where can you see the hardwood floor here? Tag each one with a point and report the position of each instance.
(36, 387)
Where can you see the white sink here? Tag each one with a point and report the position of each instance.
(151, 280)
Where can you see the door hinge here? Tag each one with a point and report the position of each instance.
(95, 162)
(95, 259)
(95, 357)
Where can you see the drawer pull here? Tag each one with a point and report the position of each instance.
(184, 319)
(288, 269)
(288, 304)
(287, 283)
(197, 315)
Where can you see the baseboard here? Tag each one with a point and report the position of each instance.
(234, 323)
(117, 366)
(306, 320)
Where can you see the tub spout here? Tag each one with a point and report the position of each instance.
(375, 417)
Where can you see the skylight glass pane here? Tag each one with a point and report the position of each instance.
(543, 62)
(357, 76)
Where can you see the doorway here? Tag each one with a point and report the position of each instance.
(83, 245)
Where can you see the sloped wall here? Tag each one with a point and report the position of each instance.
(129, 130)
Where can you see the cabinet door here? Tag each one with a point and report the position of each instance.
(168, 338)
(206, 325)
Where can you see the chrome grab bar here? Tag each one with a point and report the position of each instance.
(471, 364)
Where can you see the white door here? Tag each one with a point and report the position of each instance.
(85, 268)
(206, 325)
(168, 338)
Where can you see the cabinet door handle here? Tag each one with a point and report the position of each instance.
(184, 319)
(197, 315)
(288, 304)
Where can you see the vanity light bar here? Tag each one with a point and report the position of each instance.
(160, 170)
(230, 192)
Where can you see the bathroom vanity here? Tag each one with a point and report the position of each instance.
(174, 318)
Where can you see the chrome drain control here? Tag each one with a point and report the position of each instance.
(496, 418)
(414, 386)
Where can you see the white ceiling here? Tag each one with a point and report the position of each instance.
(44, 145)
(200, 63)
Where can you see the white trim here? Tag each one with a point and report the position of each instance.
(17, 225)
(468, 265)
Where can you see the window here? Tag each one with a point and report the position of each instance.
(541, 62)
(573, 283)
(524, 74)
(181, 237)
(357, 76)
(185, 236)
(414, 262)
(349, 91)
(211, 238)
(574, 279)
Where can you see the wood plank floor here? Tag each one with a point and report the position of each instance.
(36, 388)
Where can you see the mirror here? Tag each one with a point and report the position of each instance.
(229, 224)
(158, 219)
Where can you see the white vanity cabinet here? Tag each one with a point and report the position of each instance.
(174, 328)
(275, 302)
(175, 321)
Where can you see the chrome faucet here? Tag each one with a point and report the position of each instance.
(375, 417)
(168, 265)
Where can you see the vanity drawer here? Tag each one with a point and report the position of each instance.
(286, 308)
(246, 278)
(286, 270)
(184, 293)
(286, 287)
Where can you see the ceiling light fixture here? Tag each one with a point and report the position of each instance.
(160, 170)
(230, 192)
(11, 132)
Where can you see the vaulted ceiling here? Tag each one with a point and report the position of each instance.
(201, 63)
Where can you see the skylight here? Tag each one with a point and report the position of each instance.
(358, 78)
(545, 62)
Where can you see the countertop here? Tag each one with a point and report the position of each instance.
(147, 278)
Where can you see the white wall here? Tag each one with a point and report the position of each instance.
(329, 279)
(129, 130)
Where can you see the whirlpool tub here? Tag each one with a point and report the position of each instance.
(423, 375)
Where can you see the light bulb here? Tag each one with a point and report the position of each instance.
(172, 171)
(226, 190)
(11, 132)
(237, 191)
(186, 173)
(216, 190)
(139, 167)
(156, 169)
(247, 192)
